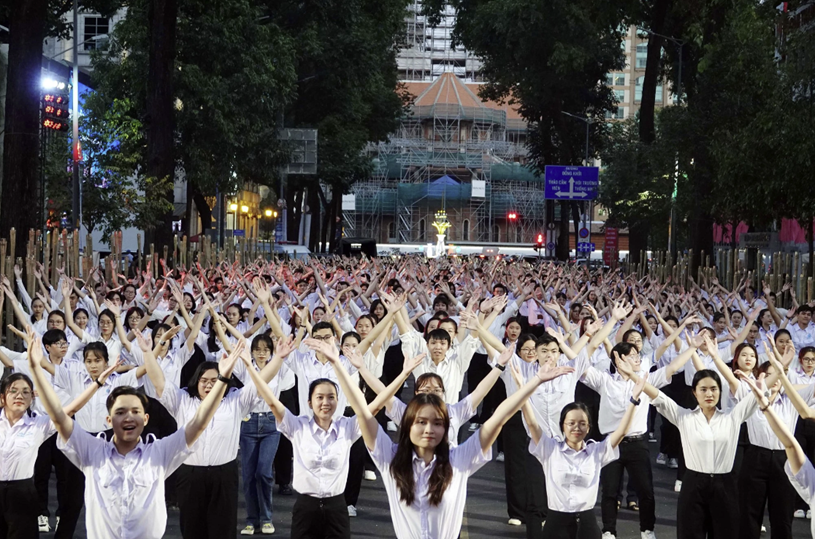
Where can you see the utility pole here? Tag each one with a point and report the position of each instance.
(76, 209)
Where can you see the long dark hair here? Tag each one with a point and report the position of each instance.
(192, 388)
(402, 465)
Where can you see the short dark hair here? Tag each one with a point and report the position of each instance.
(53, 335)
(125, 390)
(439, 335)
(804, 309)
(192, 387)
(97, 347)
(574, 406)
(322, 325)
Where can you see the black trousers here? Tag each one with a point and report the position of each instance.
(805, 434)
(208, 500)
(392, 367)
(582, 525)
(634, 457)
(525, 482)
(283, 463)
(18, 509)
(70, 487)
(670, 442)
(763, 482)
(708, 506)
(320, 518)
(589, 397)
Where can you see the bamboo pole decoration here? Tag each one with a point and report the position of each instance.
(153, 268)
(175, 250)
(54, 256)
(809, 289)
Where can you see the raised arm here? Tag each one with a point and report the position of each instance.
(532, 425)
(367, 422)
(265, 392)
(796, 456)
(206, 410)
(48, 397)
(490, 430)
(619, 433)
(82, 399)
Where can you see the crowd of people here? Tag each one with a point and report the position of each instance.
(141, 392)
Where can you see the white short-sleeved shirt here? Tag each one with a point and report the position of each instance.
(422, 520)
(93, 416)
(124, 494)
(321, 457)
(804, 484)
(709, 446)
(572, 477)
(452, 368)
(19, 444)
(459, 413)
(219, 442)
(615, 394)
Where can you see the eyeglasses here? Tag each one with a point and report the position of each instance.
(808, 360)
(323, 338)
(573, 424)
(25, 392)
(207, 381)
(61, 343)
(527, 350)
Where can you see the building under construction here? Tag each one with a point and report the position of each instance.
(453, 151)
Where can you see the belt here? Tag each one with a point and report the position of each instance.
(634, 438)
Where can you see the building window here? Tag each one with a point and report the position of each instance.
(619, 95)
(94, 26)
(638, 90)
(421, 230)
(465, 233)
(642, 55)
(618, 114)
(615, 79)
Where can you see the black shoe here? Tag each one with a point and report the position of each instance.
(285, 490)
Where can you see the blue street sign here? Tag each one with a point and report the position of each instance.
(550, 246)
(571, 183)
(585, 247)
(239, 232)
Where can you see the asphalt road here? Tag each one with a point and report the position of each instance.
(485, 515)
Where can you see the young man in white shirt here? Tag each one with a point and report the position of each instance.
(125, 474)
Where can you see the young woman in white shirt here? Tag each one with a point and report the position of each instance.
(22, 431)
(572, 464)
(707, 501)
(425, 479)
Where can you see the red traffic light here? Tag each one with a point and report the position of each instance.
(56, 125)
(512, 216)
(539, 240)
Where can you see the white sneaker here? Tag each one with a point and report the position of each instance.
(662, 459)
(500, 457)
(763, 528)
(609, 535)
(809, 513)
(56, 524)
(248, 530)
(45, 527)
(673, 464)
(352, 511)
(267, 529)
(368, 475)
(799, 513)
(474, 427)
(391, 426)
(514, 522)
(648, 534)
(678, 486)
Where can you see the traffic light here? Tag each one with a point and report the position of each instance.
(539, 241)
(512, 216)
(55, 111)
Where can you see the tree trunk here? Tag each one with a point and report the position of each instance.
(204, 211)
(575, 207)
(637, 242)
(19, 207)
(563, 232)
(162, 16)
(336, 224)
(313, 240)
(647, 128)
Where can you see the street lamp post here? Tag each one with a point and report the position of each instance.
(588, 121)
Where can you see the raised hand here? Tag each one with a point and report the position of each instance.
(285, 346)
(144, 345)
(226, 365)
(506, 355)
(410, 364)
(545, 375)
(107, 372)
(325, 348)
(759, 388)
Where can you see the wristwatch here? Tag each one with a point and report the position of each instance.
(222, 378)
(500, 367)
(634, 402)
